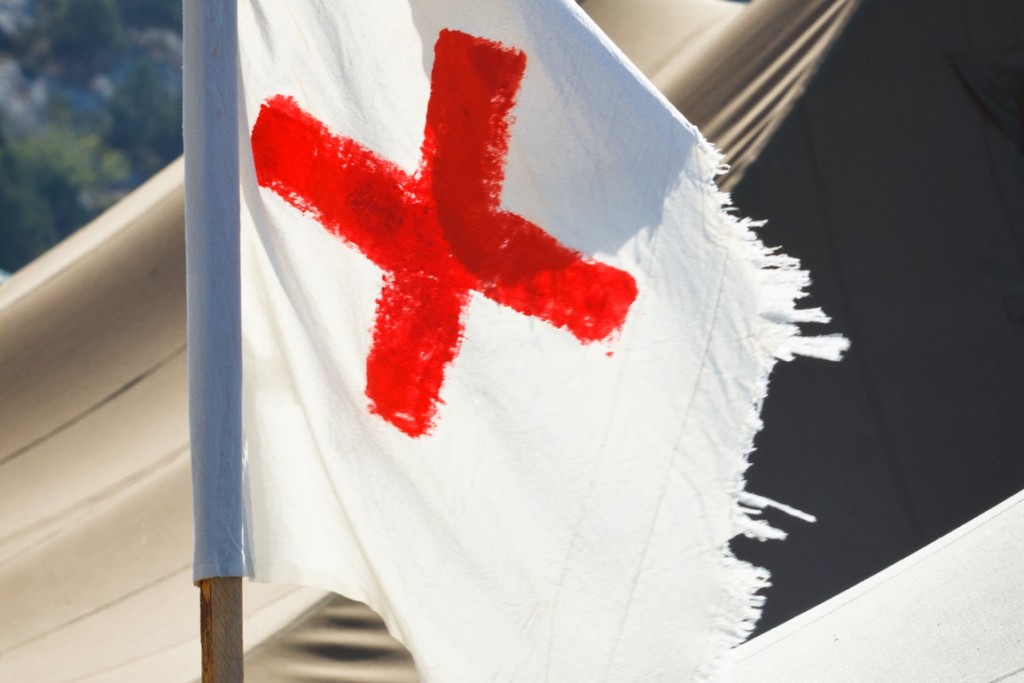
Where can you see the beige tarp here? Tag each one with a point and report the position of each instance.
(949, 612)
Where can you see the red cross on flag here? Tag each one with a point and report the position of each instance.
(502, 347)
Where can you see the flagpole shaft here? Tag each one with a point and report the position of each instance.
(220, 623)
(212, 210)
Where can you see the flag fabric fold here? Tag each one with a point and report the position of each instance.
(503, 344)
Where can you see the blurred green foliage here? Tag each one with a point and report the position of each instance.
(94, 145)
(80, 37)
(145, 121)
(156, 13)
(51, 182)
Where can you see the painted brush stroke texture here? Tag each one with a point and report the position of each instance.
(440, 233)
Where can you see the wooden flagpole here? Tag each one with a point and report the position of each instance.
(220, 623)
(214, 327)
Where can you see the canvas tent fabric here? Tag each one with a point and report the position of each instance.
(639, 28)
(739, 76)
(95, 554)
(92, 393)
(949, 612)
(997, 82)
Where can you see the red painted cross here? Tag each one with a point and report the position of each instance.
(438, 234)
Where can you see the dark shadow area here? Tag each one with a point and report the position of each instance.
(905, 201)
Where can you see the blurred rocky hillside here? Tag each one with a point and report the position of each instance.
(90, 106)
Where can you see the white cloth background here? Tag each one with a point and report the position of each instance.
(568, 517)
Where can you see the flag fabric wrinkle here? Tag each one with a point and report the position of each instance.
(503, 343)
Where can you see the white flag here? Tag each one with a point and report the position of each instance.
(503, 347)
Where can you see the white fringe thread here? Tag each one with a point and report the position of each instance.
(782, 284)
